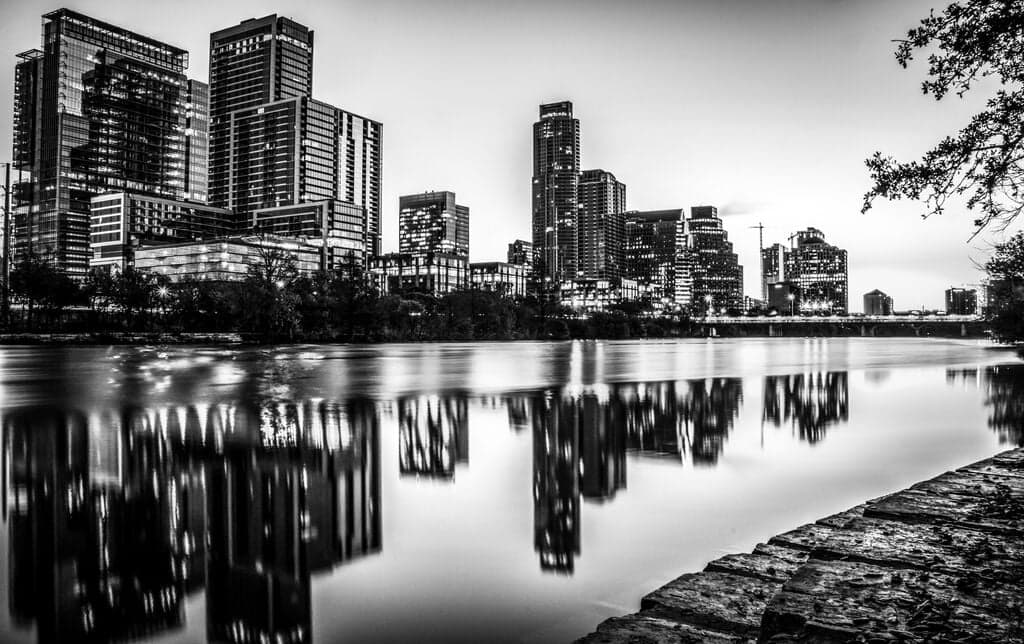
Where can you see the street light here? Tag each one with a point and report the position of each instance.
(708, 310)
(791, 297)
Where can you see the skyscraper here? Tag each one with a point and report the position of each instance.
(655, 245)
(773, 268)
(600, 225)
(259, 61)
(819, 270)
(520, 252)
(556, 167)
(273, 147)
(98, 109)
(431, 222)
(877, 303)
(714, 267)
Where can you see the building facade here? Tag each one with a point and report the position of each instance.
(654, 256)
(961, 301)
(716, 274)
(600, 225)
(773, 267)
(432, 274)
(877, 303)
(819, 269)
(556, 167)
(337, 224)
(507, 280)
(590, 296)
(224, 259)
(784, 298)
(122, 222)
(431, 222)
(521, 252)
(197, 141)
(97, 109)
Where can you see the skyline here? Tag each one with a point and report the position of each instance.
(672, 152)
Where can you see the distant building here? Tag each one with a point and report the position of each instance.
(521, 252)
(877, 303)
(773, 267)
(600, 225)
(961, 301)
(820, 271)
(784, 297)
(715, 271)
(224, 259)
(122, 222)
(431, 222)
(338, 224)
(556, 168)
(432, 274)
(589, 296)
(508, 280)
(654, 256)
(752, 304)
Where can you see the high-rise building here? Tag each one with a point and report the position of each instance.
(877, 303)
(520, 252)
(259, 61)
(600, 225)
(272, 146)
(556, 167)
(655, 244)
(197, 141)
(431, 222)
(819, 270)
(773, 268)
(961, 301)
(716, 274)
(98, 109)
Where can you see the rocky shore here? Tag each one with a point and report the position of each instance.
(942, 561)
(120, 338)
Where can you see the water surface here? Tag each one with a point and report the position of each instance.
(516, 492)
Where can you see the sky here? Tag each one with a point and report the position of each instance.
(764, 108)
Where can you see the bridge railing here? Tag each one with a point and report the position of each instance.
(836, 319)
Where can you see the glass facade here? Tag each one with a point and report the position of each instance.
(588, 296)
(197, 141)
(226, 259)
(521, 252)
(338, 224)
(600, 226)
(98, 109)
(961, 301)
(508, 280)
(360, 142)
(431, 222)
(429, 274)
(556, 167)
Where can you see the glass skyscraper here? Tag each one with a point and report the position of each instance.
(600, 225)
(655, 257)
(819, 270)
(431, 222)
(98, 109)
(714, 267)
(556, 167)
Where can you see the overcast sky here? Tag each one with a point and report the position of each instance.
(766, 109)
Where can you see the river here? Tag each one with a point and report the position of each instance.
(518, 492)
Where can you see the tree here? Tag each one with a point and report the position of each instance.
(38, 282)
(971, 41)
(1006, 289)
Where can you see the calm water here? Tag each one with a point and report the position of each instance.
(445, 492)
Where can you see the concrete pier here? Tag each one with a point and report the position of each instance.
(942, 561)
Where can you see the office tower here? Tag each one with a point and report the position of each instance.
(654, 256)
(98, 109)
(521, 252)
(819, 270)
(601, 200)
(773, 265)
(714, 268)
(197, 141)
(260, 61)
(877, 303)
(431, 222)
(961, 301)
(556, 167)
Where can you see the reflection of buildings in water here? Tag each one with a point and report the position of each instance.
(110, 515)
(1004, 396)
(556, 482)
(518, 413)
(811, 402)
(667, 418)
(877, 377)
(433, 435)
(965, 377)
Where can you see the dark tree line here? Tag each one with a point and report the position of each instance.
(275, 302)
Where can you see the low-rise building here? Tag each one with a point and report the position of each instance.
(877, 303)
(226, 259)
(590, 295)
(508, 280)
(961, 301)
(784, 298)
(427, 273)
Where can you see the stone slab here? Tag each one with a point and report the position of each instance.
(713, 600)
(646, 629)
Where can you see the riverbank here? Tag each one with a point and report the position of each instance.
(123, 338)
(940, 561)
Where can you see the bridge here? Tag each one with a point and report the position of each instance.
(848, 325)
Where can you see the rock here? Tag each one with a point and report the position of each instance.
(647, 629)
